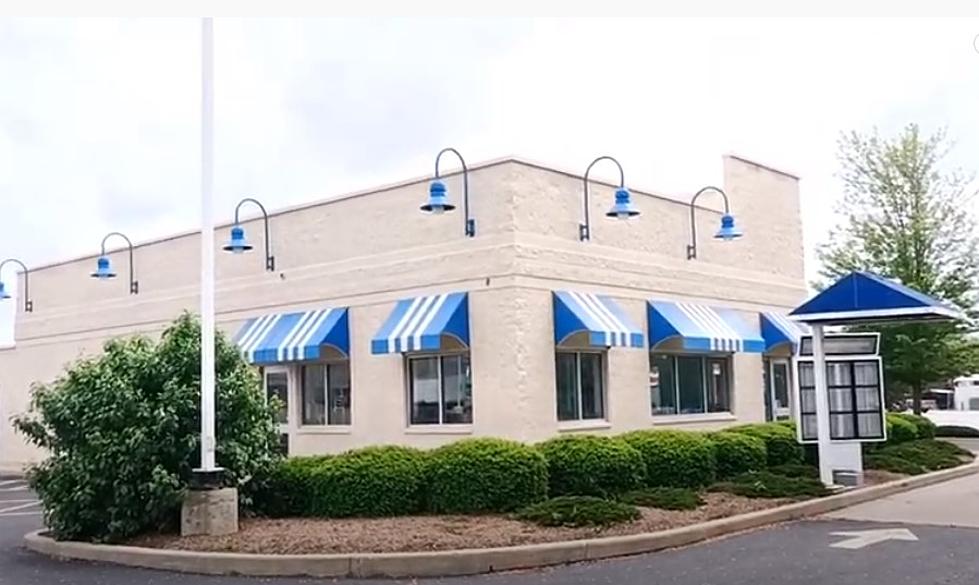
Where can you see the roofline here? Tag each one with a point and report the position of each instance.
(380, 189)
(762, 165)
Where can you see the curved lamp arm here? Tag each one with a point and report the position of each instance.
(692, 246)
(133, 283)
(28, 303)
(470, 222)
(269, 258)
(584, 229)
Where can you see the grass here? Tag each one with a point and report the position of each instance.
(664, 498)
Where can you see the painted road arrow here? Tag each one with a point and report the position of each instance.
(858, 539)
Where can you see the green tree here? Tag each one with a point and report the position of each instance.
(907, 216)
(122, 433)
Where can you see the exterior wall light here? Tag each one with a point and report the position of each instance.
(238, 244)
(621, 209)
(4, 295)
(727, 231)
(438, 199)
(104, 270)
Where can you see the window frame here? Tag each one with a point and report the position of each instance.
(603, 366)
(410, 388)
(328, 365)
(705, 359)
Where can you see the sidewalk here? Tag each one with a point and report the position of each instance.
(953, 503)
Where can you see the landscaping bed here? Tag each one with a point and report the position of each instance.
(432, 533)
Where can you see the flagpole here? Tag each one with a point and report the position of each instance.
(207, 247)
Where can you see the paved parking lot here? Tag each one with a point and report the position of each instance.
(17, 500)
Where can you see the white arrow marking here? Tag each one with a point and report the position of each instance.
(860, 538)
(19, 507)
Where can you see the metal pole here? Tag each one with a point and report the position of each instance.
(207, 245)
(822, 405)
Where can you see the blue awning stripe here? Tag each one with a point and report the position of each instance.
(286, 337)
(777, 329)
(604, 320)
(418, 324)
(701, 328)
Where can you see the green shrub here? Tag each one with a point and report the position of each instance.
(780, 441)
(665, 498)
(371, 482)
(915, 457)
(925, 429)
(122, 433)
(900, 430)
(588, 465)
(578, 511)
(738, 453)
(675, 458)
(955, 431)
(892, 464)
(795, 470)
(485, 475)
(764, 484)
(287, 489)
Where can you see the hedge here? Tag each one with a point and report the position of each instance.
(485, 475)
(287, 490)
(900, 430)
(738, 453)
(956, 431)
(924, 427)
(779, 438)
(371, 482)
(589, 465)
(675, 458)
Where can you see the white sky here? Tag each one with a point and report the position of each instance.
(99, 119)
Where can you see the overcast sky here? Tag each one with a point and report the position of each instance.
(99, 119)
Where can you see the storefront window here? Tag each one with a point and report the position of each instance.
(687, 384)
(580, 386)
(326, 394)
(277, 385)
(440, 389)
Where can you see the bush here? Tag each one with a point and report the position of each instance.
(287, 489)
(122, 434)
(665, 498)
(371, 482)
(892, 464)
(955, 431)
(925, 429)
(578, 511)
(764, 484)
(780, 441)
(900, 430)
(588, 465)
(675, 458)
(795, 470)
(916, 457)
(485, 475)
(738, 453)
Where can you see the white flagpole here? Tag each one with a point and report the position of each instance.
(207, 246)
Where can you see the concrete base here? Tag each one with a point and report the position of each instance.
(847, 457)
(210, 512)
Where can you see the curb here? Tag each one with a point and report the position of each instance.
(468, 561)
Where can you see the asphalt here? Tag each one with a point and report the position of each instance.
(791, 554)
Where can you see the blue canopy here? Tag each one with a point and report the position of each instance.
(866, 297)
(602, 318)
(701, 328)
(286, 337)
(778, 329)
(418, 324)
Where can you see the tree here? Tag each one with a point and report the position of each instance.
(907, 216)
(122, 433)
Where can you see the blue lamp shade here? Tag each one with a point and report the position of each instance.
(623, 208)
(728, 230)
(237, 244)
(3, 293)
(438, 202)
(104, 270)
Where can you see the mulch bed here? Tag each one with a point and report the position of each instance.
(429, 533)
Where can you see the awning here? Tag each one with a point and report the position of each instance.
(605, 322)
(863, 297)
(777, 329)
(418, 324)
(287, 337)
(701, 328)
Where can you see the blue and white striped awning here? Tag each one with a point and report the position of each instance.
(288, 337)
(701, 328)
(777, 329)
(418, 324)
(605, 322)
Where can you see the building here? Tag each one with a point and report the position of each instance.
(420, 335)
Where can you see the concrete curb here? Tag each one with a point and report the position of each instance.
(468, 561)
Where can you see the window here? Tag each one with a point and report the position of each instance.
(277, 385)
(580, 386)
(326, 394)
(855, 408)
(687, 384)
(440, 390)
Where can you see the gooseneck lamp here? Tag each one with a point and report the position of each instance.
(438, 199)
(103, 270)
(621, 209)
(727, 231)
(4, 295)
(238, 244)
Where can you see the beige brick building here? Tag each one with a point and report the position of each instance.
(363, 253)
